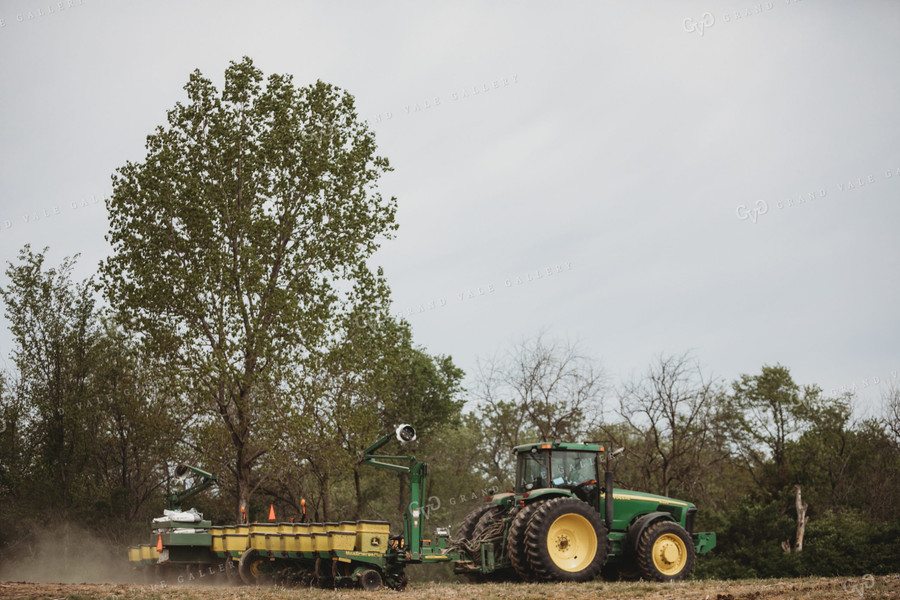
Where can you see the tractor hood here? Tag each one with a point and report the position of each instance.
(619, 494)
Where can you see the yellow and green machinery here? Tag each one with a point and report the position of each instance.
(564, 521)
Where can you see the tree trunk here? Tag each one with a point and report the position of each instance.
(665, 476)
(359, 499)
(243, 485)
(802, 520)
(326, 509)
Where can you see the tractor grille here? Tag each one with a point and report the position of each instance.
(689, 520)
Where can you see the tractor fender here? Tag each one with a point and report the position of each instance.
(502, 499)
(637, 528)
(546, 494)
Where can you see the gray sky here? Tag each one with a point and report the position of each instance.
(721, 177)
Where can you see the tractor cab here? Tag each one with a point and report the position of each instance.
(566, 466)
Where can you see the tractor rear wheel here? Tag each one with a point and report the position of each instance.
(665, 552)
(486, 521)
(515, 541)
(482, 527)
(566, 541)
(467, 527)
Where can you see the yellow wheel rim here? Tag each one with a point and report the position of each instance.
(669, 554)
(572, 543)
(254, 567)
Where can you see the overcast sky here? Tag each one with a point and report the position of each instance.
(642, 177)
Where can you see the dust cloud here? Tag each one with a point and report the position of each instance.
(66, 554)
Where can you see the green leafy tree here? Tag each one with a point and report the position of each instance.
(747, 534)
(769, 411)
(848, 542)
(874, 482)
(13, 465)
(372, 379)
(822, 456)
(241, 237)
(90, 430)
(455, 484)
(138, 432)
(54, 331)
(843, 465)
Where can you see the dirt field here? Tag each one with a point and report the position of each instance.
(868, 587)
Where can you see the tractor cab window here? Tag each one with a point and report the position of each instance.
(556, 468)
(532, 472)
(572, 468)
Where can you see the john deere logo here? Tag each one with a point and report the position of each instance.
(375, 541)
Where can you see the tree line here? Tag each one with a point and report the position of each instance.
(743, 451)
(238, 325)
(93, 425)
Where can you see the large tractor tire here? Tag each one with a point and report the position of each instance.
(486, 521)
(467, 527)
(515, 541)
(665, 552)
(566, 540)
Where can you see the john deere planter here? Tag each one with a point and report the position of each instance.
(564, 521)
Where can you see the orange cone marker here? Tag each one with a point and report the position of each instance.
(271, 512)
(159, 543)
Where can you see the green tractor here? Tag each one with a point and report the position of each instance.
(565, 522)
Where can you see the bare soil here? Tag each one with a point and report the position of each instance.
(868, 588)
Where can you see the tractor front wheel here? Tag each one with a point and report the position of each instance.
(665, 552)
(566, 541)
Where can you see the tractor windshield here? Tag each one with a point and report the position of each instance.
(573, 468)
(556, 468)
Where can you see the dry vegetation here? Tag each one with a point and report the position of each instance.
(768, 589)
